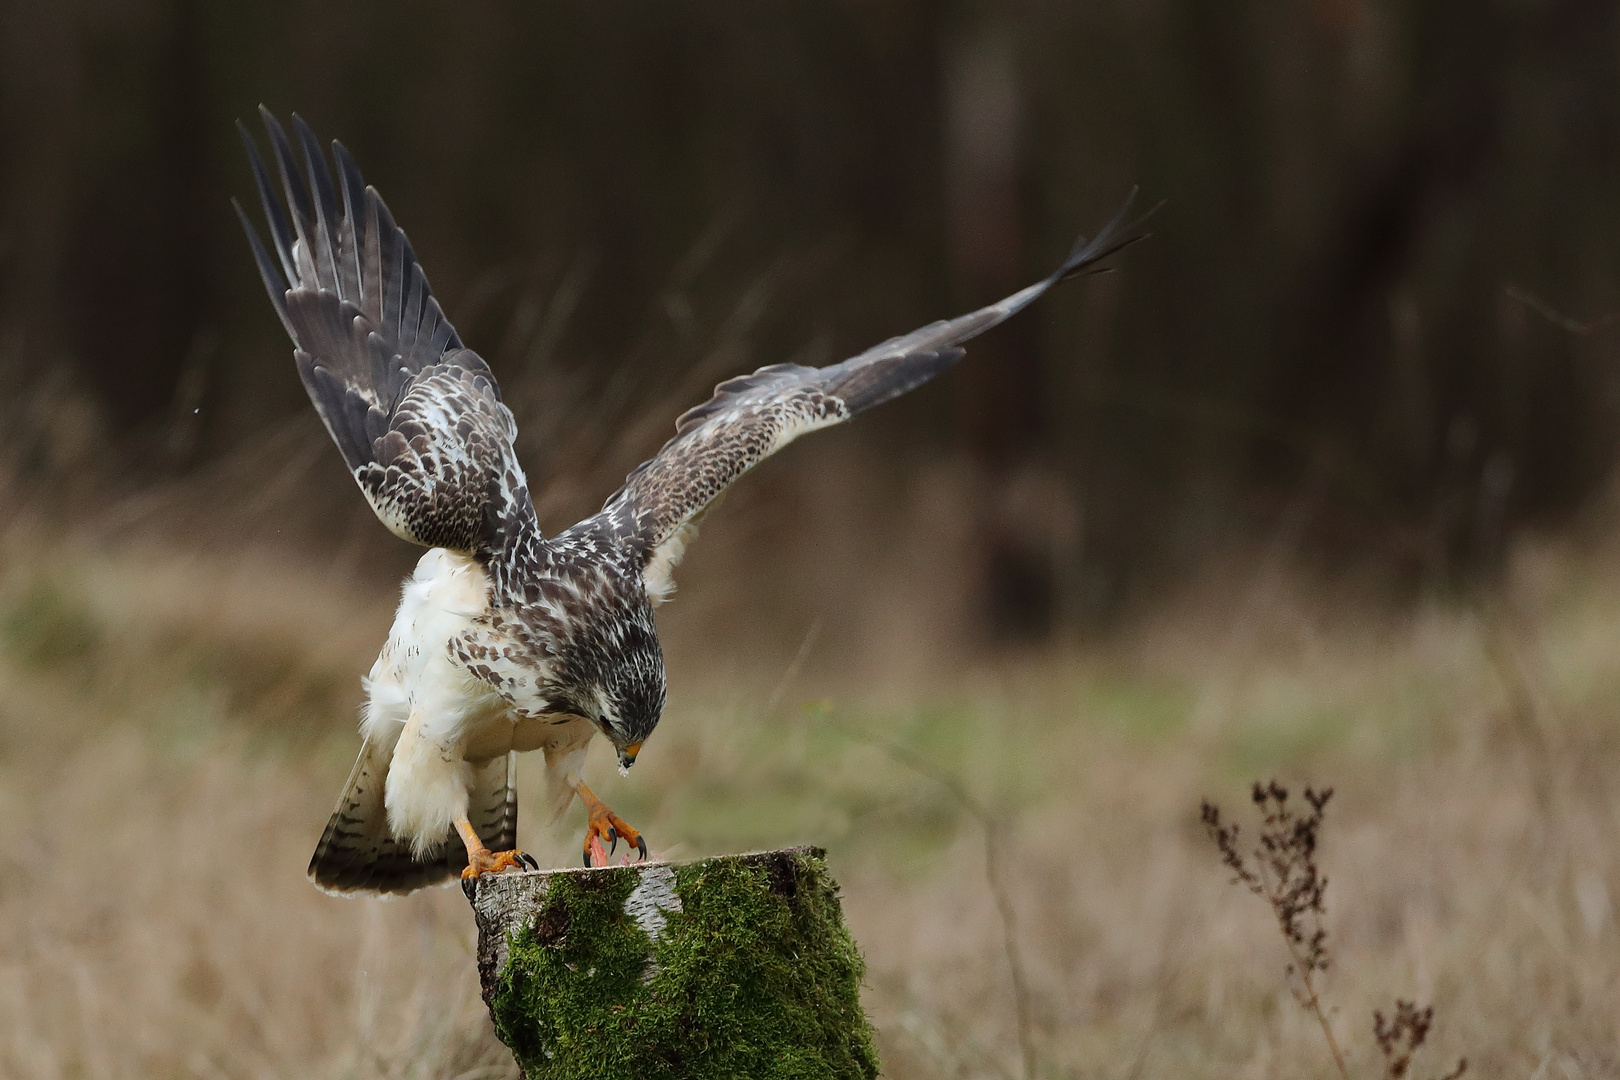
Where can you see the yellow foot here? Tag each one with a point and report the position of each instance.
(493, 862)
(603, 825)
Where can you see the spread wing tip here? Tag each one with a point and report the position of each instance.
(375, 352)
(1118, 234)
(752, 416)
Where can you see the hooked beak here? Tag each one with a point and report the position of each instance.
(627, 758)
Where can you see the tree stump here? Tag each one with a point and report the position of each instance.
(738, 966)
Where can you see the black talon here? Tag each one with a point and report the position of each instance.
(613, 835)
(642, 845)
(528, 860)
(587, 856)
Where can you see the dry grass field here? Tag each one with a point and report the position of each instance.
(1373, 342)
(174, 727)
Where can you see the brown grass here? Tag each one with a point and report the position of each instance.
(173, 729)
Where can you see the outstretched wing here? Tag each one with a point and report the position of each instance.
(417, 416)
(751, 417)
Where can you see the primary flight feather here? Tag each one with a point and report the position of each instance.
(506, 640)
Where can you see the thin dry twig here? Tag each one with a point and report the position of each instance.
(1286, 876)
(994, 827)
(1558, 318)
(792, 672)
(1400, 1036)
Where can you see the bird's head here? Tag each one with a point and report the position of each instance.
(629, 696)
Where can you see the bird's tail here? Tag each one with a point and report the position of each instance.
(357, 853)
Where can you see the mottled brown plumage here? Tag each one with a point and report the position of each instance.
(507, 640)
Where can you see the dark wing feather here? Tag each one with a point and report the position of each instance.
(751, 417)
(417, 416)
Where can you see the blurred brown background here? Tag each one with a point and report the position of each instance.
(1318, 485)
(633, 202)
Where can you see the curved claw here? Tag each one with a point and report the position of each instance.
(484, 861)
(604, 829)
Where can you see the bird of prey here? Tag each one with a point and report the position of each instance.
(507, 640)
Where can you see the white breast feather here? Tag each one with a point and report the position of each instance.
(426, 705)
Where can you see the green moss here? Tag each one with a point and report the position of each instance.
(756, 977)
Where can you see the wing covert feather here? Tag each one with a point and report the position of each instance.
(417, 416)
(753, 416)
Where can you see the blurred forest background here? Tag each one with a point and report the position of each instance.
(1341, 324)
(1320, 484)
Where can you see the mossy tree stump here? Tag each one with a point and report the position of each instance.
(739, 966)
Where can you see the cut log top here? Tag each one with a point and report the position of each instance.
(506, 903)
(732, 966)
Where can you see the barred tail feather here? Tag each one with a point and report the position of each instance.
(358, 855)
(492, 806)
